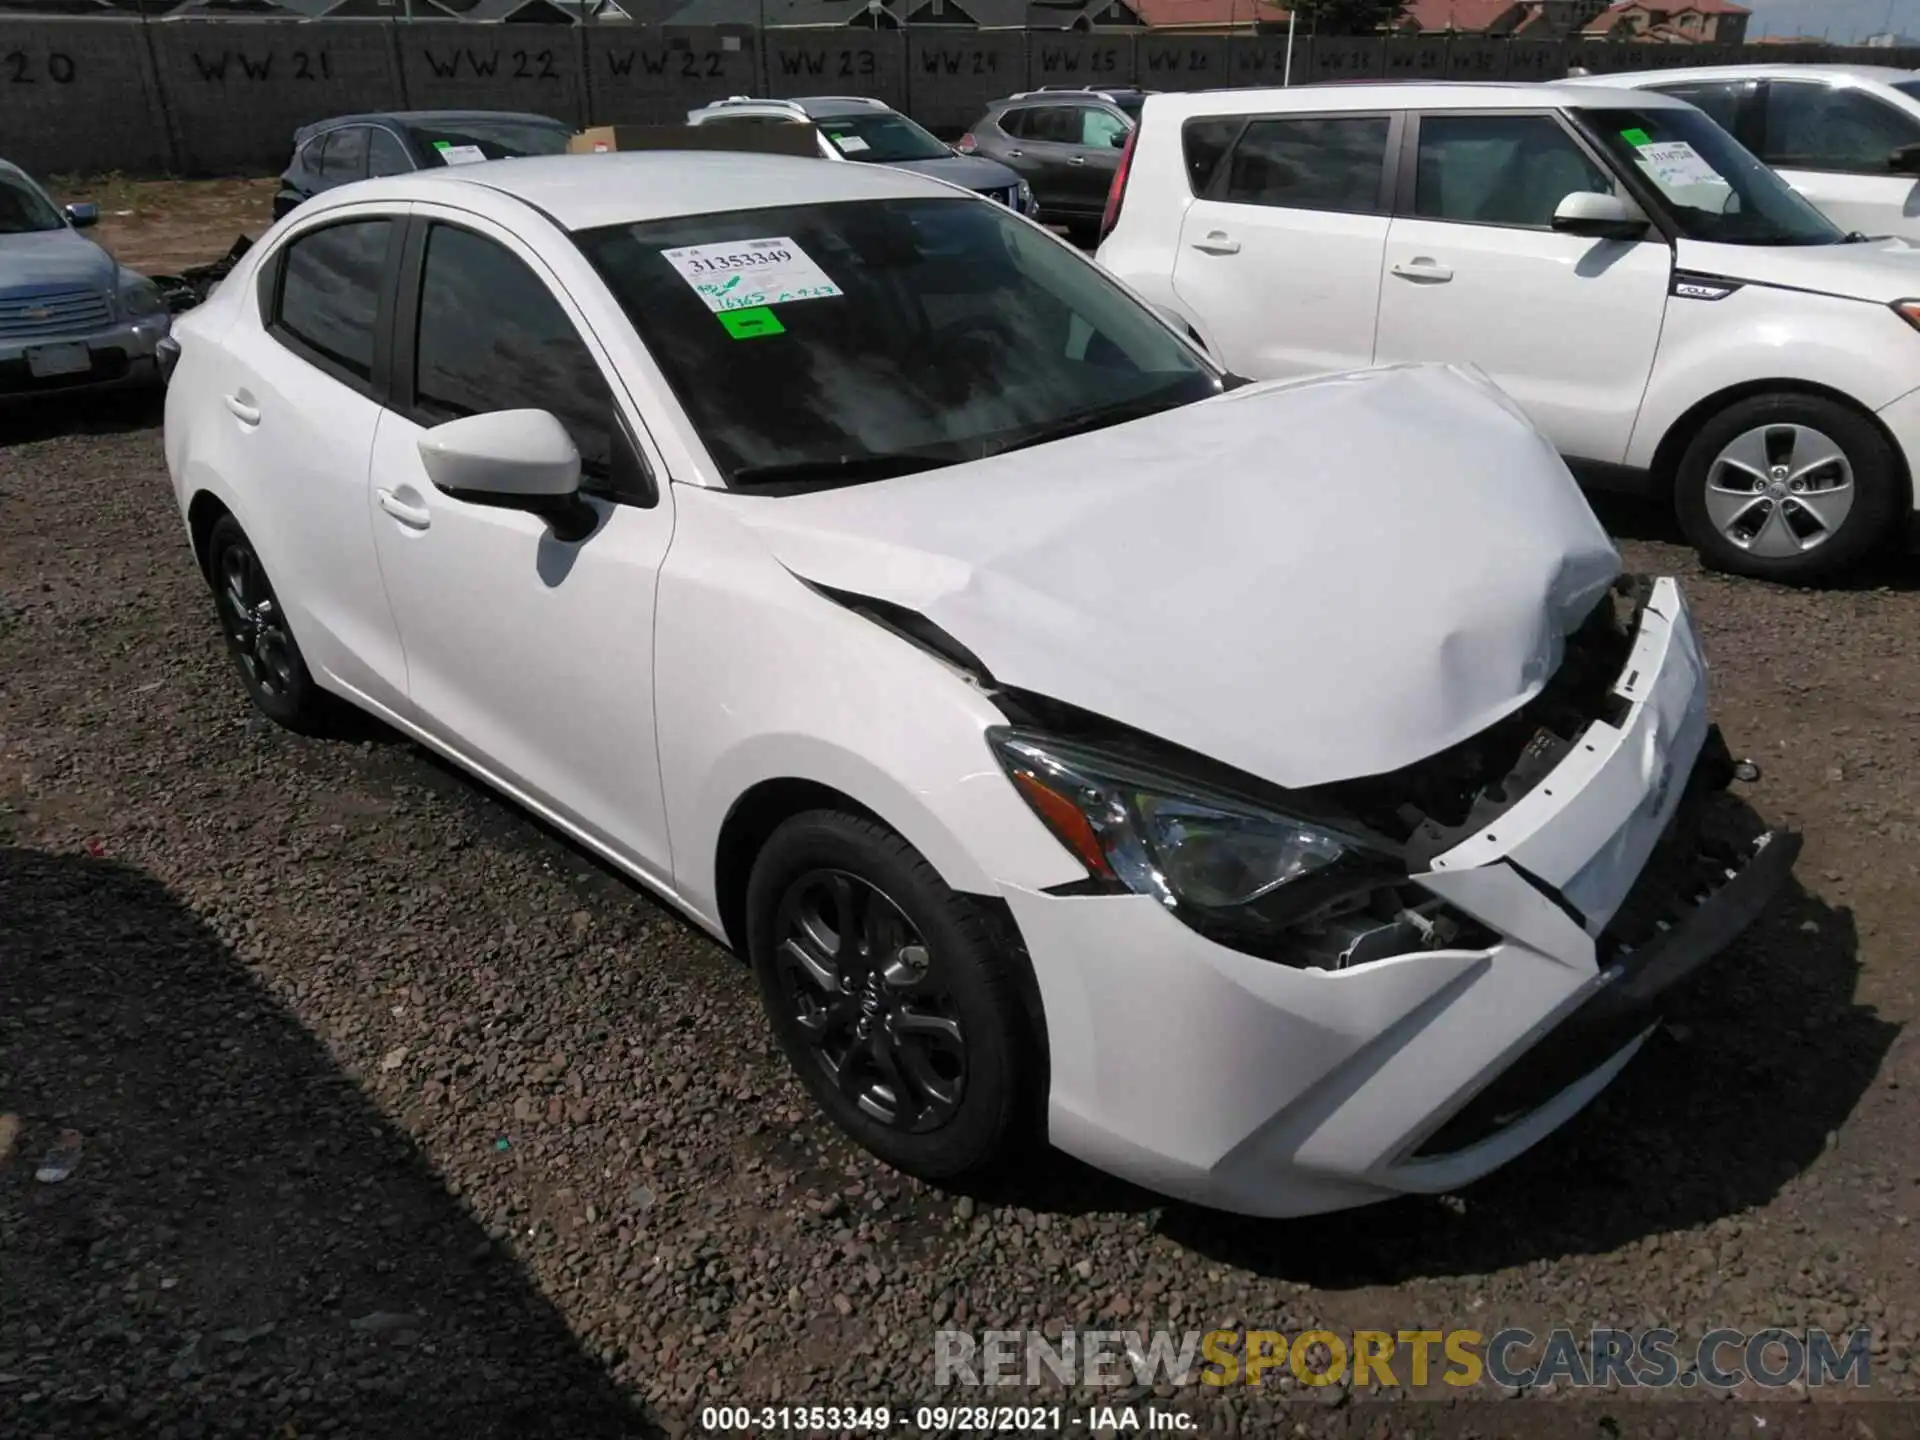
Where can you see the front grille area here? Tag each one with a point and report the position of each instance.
(53, 314)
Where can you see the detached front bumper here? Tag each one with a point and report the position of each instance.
(1257, 1087)
(120, 356)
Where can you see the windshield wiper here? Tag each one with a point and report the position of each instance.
(847, 470)
(1135, 409)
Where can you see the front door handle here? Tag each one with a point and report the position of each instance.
(242, 409)
(1076, 159)
(1217, 243)
(414, 517)
(1420, 268)
(1013, 154)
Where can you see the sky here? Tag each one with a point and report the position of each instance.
(1840, 20)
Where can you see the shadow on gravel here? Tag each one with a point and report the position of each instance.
(109, 413)
(245, 1245)
(1765, 1053)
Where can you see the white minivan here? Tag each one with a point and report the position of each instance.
(1845, 136)
(1665, 309)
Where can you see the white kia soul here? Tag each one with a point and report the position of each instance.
(1273, 793)
(1671, 314)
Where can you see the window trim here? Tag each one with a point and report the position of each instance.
(406, 150)
(272, 288)
(403, 339)
(1405, 195)
(1215, 188)
(1763, 105)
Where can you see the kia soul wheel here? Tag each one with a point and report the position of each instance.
(889, 995)
(1787, 487)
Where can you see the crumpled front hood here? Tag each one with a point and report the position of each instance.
(51, 259)
(973, 171)
(1309, 581)
(1880, 271)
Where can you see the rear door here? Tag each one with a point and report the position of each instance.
(1280, 253)
(1476, 273)
(1048, 157)
(1834, 144)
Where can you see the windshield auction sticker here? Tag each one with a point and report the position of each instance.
(746, 274)
(1674, 164)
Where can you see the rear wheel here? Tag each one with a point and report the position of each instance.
(1787, 487)
(263, 648)
(889, 996)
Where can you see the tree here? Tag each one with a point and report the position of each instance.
(1347, 17)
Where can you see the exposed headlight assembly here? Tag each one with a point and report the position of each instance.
(1228, 866)
(140, 297)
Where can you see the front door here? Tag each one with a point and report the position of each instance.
(1476, 274)
(1280, 256)
(530, 657)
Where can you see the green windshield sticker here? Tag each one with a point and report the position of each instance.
(1636, 137)
(443, 144)
(752, 324)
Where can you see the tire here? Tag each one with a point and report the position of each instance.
(258, 637)
(1846, 512)
(949, 1014)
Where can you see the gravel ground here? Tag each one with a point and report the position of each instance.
(400, 1116)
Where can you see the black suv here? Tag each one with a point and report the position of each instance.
(1065, 143)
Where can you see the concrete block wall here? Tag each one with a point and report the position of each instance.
(206, 97)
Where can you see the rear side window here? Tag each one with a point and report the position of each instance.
(492, 337)
(1205, 144)
(329, 295)
(1058, 124)
(1511, 170)
(1310, 163)
(346, 157)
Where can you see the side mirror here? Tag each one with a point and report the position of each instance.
(1905, 160)
(1118, 140)
(1603, 217)
(515, 460)
(83, 214)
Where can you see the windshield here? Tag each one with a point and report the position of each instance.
(850, 341)
(1908, 87)
(1712, 186)
(463, 138)
(23, 208)
(882, 137)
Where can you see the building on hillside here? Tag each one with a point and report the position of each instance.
(1672, 22)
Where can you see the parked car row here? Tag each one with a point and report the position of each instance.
(1272, 792)
(1668, 311)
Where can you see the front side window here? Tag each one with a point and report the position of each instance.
(1102, 129)
(883, 137)
(346, 155)
(1310, 163)
(932, 331)
(492, 337)
(386, 155)
(1511, 170)
(329, 296)
(23, 208)
(1711, 186)
(1811, 126)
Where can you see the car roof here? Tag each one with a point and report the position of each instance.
(1883, 74)
(1400, 95)
(816, 106)
(581, 192)
(1074, 95)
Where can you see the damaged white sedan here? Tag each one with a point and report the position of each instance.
(1270, 793)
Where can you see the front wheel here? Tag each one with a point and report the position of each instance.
(1787, 487)
(890, 996)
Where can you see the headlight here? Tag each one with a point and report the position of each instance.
(1220, 862)
(139, 297)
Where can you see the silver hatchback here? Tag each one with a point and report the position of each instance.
(71, 316)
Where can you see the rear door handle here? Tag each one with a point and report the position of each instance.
(414, 517)
(1217, 243)
(1430, 272)
(1013, 154)
(1076, 159)
(241, 409)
